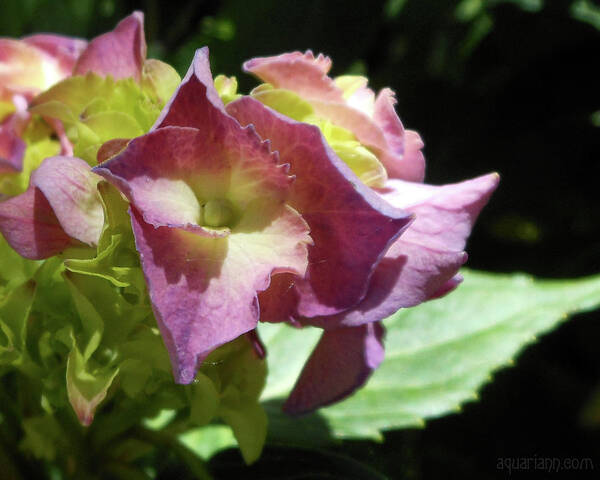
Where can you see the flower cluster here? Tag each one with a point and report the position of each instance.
(301, 202)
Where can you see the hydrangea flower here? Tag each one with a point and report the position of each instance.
(27, 67)
(61, 208)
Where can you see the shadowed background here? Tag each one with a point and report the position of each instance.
(490, 85)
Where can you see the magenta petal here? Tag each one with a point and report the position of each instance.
(71, 189)
(204, 290)
(120, 53)
(423, 263)
(341, 362)
(66, 50)
(30, 226)
(351, 226)
(299, 72)
(196, 102)
(278, 302)
(404, 158)
(12, 149)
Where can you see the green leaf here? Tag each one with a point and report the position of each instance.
(239, 377)
(438, 355)
(249, 425)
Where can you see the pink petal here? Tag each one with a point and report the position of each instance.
(204, 290)
(25, 69)
(342, 362)
(404, 158)
(423, 263)
(120, 53)
(448, 287)
(71, 190)
(30, 226)
(65, 50)
(351, 226)
(301, 73)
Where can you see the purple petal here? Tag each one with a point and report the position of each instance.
(351, 226)
(204, 290)
(342, 362)
(71, 189)
(120, 53)
(422, 264)
(30, 226)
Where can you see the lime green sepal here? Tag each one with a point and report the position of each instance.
(12, 184)
(226, 88)
(86, 386)
(349, 84)
(116, 260)
(284, 101)
(159, 80)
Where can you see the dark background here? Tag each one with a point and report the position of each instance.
(497, 85)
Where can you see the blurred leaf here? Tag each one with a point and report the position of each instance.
(208, 440)
(393, 7)
(43, 437)
(586, 11)
(437, 355)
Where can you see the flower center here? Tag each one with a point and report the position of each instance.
(217, 213)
